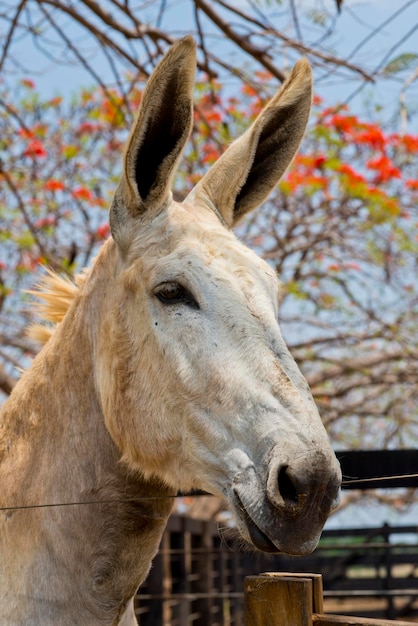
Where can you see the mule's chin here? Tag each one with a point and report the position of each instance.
(260, 539)
(274, 534)
(257, 537)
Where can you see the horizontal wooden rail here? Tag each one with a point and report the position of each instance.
(346, 620)
(283, 599)
(197, 572)
(370, 593)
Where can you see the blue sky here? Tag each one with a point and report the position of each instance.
(355, 23)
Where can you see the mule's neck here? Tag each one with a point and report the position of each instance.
(56, 449)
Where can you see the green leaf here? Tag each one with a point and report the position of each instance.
(402, 62)
(294, 288)
(70, 151)
(25, 240)
(317, 17)
(5, 236)
(267, 3)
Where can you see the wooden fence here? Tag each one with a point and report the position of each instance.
(284, 599)
(197, 578)
(378, 565)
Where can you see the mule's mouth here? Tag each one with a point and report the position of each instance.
(257, 536)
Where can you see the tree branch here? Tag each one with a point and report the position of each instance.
(243, 42)
(6, 382)
(296, 45)
(10, 33)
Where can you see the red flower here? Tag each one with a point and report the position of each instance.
(210, 154)
(28, 82)
(351, 173)
(82, 193)
(352, 265)
(54, 102)
(410, 142)
(385, 169)
(87, 128)
(44, 222)
(26, 133)
(103, 231)
(54, 185)
(213, 116)
(345, 124)
(248, 90)
(373, 136)
(318, 181)
(263, 75)
(319, 161)
(35, 149)
(294, 179)
(412, 184)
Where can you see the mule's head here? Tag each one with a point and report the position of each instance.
(197, 385)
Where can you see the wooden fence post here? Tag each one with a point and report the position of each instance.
(317, 587)
(278, 601)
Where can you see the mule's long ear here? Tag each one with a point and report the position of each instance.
(250, 168)
(157, 138)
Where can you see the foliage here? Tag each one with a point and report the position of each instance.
(341, 231)
(348, 45)
(59, 168)
(346, 246)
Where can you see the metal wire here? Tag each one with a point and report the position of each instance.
(355, 481)
(194, 494)
(122, 500)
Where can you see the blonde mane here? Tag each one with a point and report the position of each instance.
(55, 294)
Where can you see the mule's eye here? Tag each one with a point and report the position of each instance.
(174, 293)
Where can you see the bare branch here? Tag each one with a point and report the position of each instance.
(296, 45)
(9, 37)
(380, 28)
(356, 364)
(26, 215)
(97, 33)
(243, 42)
(296, 20)
(6, 382)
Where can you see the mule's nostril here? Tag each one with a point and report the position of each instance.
(287, 489)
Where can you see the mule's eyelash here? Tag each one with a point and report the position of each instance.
(174, 293)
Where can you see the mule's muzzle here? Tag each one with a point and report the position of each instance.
(291, 509)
